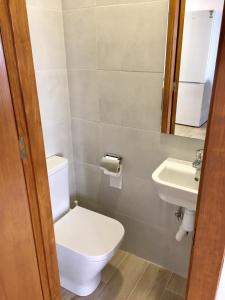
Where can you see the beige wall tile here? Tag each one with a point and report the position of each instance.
(139, 239)
(88, 180)
(134, 200)
(57, 140)
(112, 2)
(70, 4)
(83, 95)
(86, 141)
(130, 99)
(136, 40)
(180, 263)
(53, 96)
(119, 112)
(47, 39)
(46, 4)
(79, 26)
(140, 149)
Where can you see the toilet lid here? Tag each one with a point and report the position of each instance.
(88, 233)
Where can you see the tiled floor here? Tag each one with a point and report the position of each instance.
(128, 277)
(192, 132)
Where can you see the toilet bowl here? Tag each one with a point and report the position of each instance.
(85, 240)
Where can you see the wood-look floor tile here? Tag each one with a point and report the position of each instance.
(124, 280)
(177, 285)
(128, 277)
(112, 266)
(151, 285)
(66, 295)
(93, 296)
(159, 286)
(170, 296)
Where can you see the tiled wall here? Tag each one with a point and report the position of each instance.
(47, 37)
(115, 53)
(115, 56)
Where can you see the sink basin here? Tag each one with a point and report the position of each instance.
(175, 183)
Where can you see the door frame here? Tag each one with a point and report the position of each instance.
(172, 64)
(21, 76)
(209, 241)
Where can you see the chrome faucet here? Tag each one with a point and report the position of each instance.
(197, 163)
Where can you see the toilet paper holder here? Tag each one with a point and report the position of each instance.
(113, 156)
(111, 164)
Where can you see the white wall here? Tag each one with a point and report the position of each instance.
(221, 289)
(204, 4)
(47, 38)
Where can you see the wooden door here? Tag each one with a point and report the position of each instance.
(19, 274)
(40, 264)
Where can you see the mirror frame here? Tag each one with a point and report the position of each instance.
(172, 64)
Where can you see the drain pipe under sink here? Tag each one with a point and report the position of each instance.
(187, 224)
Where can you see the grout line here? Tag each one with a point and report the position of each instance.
(173, 292)
(166, 286)
(170, 290)
(117, 267)
(179, 295)
(147, 72)
(111, 5)
(137, 282)
(73, 9)
(115, 125)
(130, 71)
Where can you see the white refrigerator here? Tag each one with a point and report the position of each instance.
(193, 71)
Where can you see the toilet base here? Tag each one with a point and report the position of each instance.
(81, 289)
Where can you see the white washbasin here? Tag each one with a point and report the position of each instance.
(175, 183)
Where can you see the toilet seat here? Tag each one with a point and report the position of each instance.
(88, 233)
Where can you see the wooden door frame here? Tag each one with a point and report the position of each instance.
(209, 241)
(19, 62)
(172, 64)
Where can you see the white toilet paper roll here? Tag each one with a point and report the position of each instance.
(110, 164)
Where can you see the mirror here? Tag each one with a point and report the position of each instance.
(192, 45)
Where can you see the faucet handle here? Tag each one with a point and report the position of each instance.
(199, 154)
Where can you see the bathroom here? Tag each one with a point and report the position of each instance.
(101, 70)
(96, 97)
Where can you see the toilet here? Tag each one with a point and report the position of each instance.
(85, 240)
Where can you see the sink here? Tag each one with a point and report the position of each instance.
(175, 183)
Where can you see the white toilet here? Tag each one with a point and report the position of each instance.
(85, 240)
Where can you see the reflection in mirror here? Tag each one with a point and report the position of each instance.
(198, 32)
